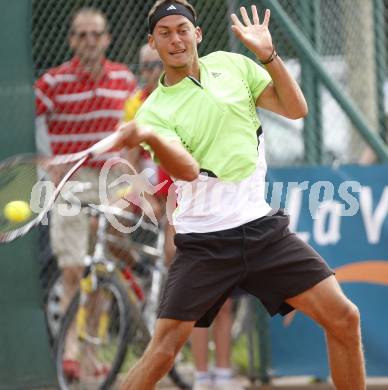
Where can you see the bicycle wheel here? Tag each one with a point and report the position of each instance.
(99, 350)
(52, 297)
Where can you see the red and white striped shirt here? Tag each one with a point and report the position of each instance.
(74, 111)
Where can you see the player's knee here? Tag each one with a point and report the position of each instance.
(351, 317)
(346, 325)
(163, 358)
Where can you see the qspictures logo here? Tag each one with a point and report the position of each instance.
(119, 186)
(128, 189)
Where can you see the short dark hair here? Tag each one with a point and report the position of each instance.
(159, 3)
(90, 11)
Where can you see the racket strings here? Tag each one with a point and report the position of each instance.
(15, 188)
(34, 184)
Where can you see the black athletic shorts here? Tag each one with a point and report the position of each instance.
(261, 257)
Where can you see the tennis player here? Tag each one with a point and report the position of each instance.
(201, 125)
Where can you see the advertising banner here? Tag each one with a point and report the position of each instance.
(341, 213)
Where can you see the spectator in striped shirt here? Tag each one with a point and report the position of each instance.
(77, 104)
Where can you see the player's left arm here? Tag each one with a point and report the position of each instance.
(283, 95)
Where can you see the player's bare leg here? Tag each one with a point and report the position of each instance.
(159, 357)
(328, 306)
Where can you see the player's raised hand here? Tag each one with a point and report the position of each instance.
(255, 36)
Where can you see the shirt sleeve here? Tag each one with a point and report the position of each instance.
(44, 104)
(44, 95)
(42, 139)
(255, 75)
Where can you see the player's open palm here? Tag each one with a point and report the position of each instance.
(255, 36)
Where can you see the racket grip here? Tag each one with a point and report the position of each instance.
(105, 144)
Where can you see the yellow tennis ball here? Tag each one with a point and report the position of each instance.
(17, 211)
(124, 191)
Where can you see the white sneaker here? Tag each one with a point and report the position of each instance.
(203, 386)
(232, 384)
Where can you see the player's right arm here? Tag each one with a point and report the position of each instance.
(172, 155)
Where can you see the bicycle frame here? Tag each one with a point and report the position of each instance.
(102, 285)
(98, 262)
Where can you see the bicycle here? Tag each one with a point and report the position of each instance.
(113, 314)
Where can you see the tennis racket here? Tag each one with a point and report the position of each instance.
(30, 184)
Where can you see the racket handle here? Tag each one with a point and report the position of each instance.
(105, 144)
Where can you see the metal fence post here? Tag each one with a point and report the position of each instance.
(25, 358)
(306, 49)
(380, 64)
(309, 14)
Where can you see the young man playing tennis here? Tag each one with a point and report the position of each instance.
(150, 71)
(202, 126)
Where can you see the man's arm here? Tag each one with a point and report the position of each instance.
(283, 96)
(172, 155)
(42, 140)
(44, 104)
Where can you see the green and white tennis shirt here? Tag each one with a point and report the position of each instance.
(216, 121)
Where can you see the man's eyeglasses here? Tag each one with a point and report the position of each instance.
(85, 34)
(150, 65)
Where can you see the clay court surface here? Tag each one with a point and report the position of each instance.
(282, 384)
(295, 384)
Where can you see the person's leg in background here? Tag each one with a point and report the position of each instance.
(69, 240)
(222, 334)
(199, 347)
(222, 376)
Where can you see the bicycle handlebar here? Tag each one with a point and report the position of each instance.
(98, 209)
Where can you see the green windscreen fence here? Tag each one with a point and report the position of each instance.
(25, 359)
(348, 36)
